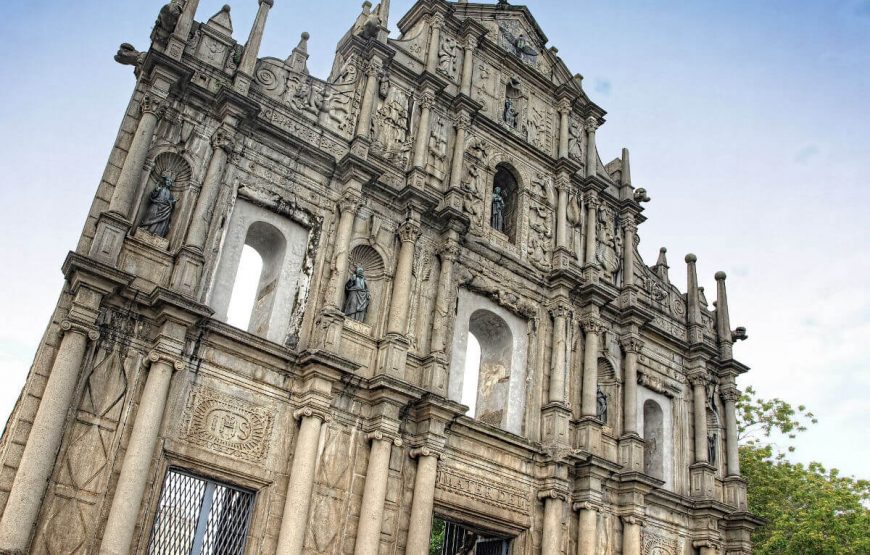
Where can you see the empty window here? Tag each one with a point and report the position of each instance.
(198, 516)
(653, 435)
(450, 538)
(245, 288)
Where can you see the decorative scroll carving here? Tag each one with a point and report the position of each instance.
(609, 248)
(227, 425)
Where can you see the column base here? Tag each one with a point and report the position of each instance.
(562, 259)
(393, 355)
(360, 147)
(108, 240)
(555, 425)
(702, 481)
(735, 492)
(187, 272)
(435, 369)
(589, 435)
(631, 452)
(591, 273)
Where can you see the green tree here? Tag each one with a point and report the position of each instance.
(808, 509)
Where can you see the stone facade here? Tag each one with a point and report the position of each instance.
(456, 165)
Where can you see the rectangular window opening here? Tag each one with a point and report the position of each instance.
(451, 538)
(198, 516)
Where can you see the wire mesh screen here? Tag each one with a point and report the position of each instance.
(197, 516)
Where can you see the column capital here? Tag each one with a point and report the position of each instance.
(697, 378)
(552, 493)
(449, 250)
(224, 138)
(409, 231)
(591, 124)
(152, 104)
(157, 356)
(633, 520)
(593, 325)
(470, 43)
(591, 199)
(462, 120)
(628, 222)
(349, 201)
(73, 326)
(730, 393)
(436, 20)
(378, 435)
(631, 343)
(560, 310)
(564, 106)
(426, 98)
(562, 182)
(425, 452)
(586, 506)
(373, 67)
(309, 411)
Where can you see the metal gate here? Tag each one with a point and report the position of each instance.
(459, 540)
(197, 516)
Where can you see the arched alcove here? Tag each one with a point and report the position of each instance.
(506, 185)
(173, 169)
(244, 293)
(654, 440)
(271, 245)
(495, 339)
(366, 257)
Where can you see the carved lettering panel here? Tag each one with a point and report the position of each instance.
(227, 424)
(487, 491)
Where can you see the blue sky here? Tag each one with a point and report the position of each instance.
(748, 123)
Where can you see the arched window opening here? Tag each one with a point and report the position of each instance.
(503, 210)
(245, 288)
(653, 435)
(270, 245)
(495, 340)
(472, 375)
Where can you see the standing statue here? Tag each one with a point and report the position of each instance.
(601, 406)
(160, 207)
(498, 206)
(712, 439)
(357, 297)
(166, 21)
(510, 112)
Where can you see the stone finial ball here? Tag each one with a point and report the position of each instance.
(663, 250)
(226, 8)
(720, 276)
(305, 35)
(691, 258)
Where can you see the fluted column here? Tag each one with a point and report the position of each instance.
(371, 518)
(462, 122)
(420, 526)
(222, 145)
(294, 521)
(409, 232)
(43, 442)
(632, 346)
(131, 172)
(364, 122)
(591, 151)
(699, 394)
(564, 107)
(123, 516)
(252, 47)
(434, 42)
(587, 528)
(631, 535)
(421, 141)
(589, 405)
(629, 229)
(557, 371)
(347, 208)
(469, 46)
(449, 253)
(592, 204)
(562, 185)
(730, 396)
(551, 539)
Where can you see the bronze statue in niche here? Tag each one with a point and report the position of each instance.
(357, 297)
(160, 207)
(498, 206)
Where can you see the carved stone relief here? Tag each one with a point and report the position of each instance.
(655, 543)
(608, 251)
(540, 236)
(226, 424)
(448, 57)
(390, 125)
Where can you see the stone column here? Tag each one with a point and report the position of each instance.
(131, 172)
(434, 42)
(589, 404)
(557, 371)
(632, 346)
(294, 521)
(562, 184)
(462, 122)
(592, 204)
(252, 47)
(631, 535)
(409, 232)
(730, 396)
(723, 321)
(368, 536)
(467, 65)
(706, 547)
(421, 141)
(347, 208)
(629, 228)
(587, 528)
(364, 123)
(222, 144)
(591, 151)
(564, 107)
(699, 391)
(43, 443)
(420, 528)
(124, 514)
(449, 253)
(551, 539)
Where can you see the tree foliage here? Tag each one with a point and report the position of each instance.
(809, 509)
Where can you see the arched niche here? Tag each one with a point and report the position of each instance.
(505, 182)
(500, 370)
(369, 259)
(608, 386)
(177, 169)
(714, 439)
(282, 244)
(653, 435)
